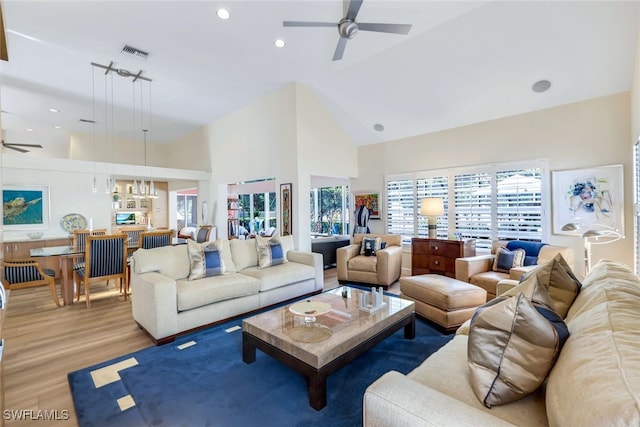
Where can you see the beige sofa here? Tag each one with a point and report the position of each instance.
(478, 270)
(383, 269)
(166, 303)
(594, 382)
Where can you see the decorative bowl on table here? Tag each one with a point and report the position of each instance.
(35, 235)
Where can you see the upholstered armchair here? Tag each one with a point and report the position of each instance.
(485, 272)
(381, 268)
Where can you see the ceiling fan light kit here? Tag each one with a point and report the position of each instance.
(348, 27)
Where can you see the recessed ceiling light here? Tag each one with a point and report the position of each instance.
(54, 110)
(29, 130)
(379, 127)
(541, 86)
(279, 43)
(223, 14)
(57, 127)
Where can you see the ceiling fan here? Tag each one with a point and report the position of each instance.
(3, 38)
(348, 27)
(16, 146)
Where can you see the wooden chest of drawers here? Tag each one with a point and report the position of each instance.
(435, 256)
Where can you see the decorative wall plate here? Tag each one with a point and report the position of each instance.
(73, 221)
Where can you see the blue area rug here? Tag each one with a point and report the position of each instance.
(209, 384)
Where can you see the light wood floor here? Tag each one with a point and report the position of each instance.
(43, 343)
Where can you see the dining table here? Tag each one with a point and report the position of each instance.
(66, 255)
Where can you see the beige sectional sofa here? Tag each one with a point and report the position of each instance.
(166, 303)
(595, 380)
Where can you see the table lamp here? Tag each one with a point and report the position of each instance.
(432, 207)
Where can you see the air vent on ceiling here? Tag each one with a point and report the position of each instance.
(132, 51)
(87, 121)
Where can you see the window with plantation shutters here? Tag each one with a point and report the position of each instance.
(636, 202)
(486, 203)
(472, 207)
(436, 186)
(401, 208)
(519, 198)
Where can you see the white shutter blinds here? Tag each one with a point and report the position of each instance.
(519, 204)
(473, 207)
(401, 208)
(433, 187)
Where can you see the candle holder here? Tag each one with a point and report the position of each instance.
(374, 300)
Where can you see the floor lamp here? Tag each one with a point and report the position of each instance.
(432, 208)
(592, 236)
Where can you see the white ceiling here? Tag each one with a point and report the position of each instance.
(462, 62)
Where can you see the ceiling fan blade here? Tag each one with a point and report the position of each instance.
(15, 148)
(342, 43)
(4, 55)
(21, 145)
(385, 28)
(354, 8)
(308, 24)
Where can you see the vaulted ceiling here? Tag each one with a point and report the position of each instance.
(461, 63)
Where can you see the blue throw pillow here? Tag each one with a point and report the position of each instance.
(505, 259)
(370, 245)
(213, 263)
(531, 249)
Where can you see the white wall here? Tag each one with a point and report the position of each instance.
(70, 187)
(286, 135)
(590, 133)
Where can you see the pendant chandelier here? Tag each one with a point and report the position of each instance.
(141, 190)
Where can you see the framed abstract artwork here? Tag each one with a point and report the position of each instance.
(285, 200)
(25, 207)
(371, 201)
(588, 197)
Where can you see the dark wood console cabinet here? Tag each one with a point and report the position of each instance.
(435, 256)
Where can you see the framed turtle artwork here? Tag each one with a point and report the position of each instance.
(25, 207)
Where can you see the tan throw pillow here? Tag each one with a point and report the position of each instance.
(506, 259)
(558, 278)
(511, 349)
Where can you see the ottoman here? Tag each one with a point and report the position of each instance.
(443, 300)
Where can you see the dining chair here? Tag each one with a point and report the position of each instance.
(105, 259)
(154, 239)
(27, 273)
(79, 243)
(204, 231)
(133, 236)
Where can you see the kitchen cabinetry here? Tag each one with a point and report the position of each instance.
(146, 209)
(436, 256)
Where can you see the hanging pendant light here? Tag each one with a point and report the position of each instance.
(134, 191)
(94, 188)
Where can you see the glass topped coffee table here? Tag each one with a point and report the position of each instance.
(316, 348)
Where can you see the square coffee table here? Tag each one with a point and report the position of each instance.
(317, 349)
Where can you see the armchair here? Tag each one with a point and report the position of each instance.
(381, 269)
(478, 270)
